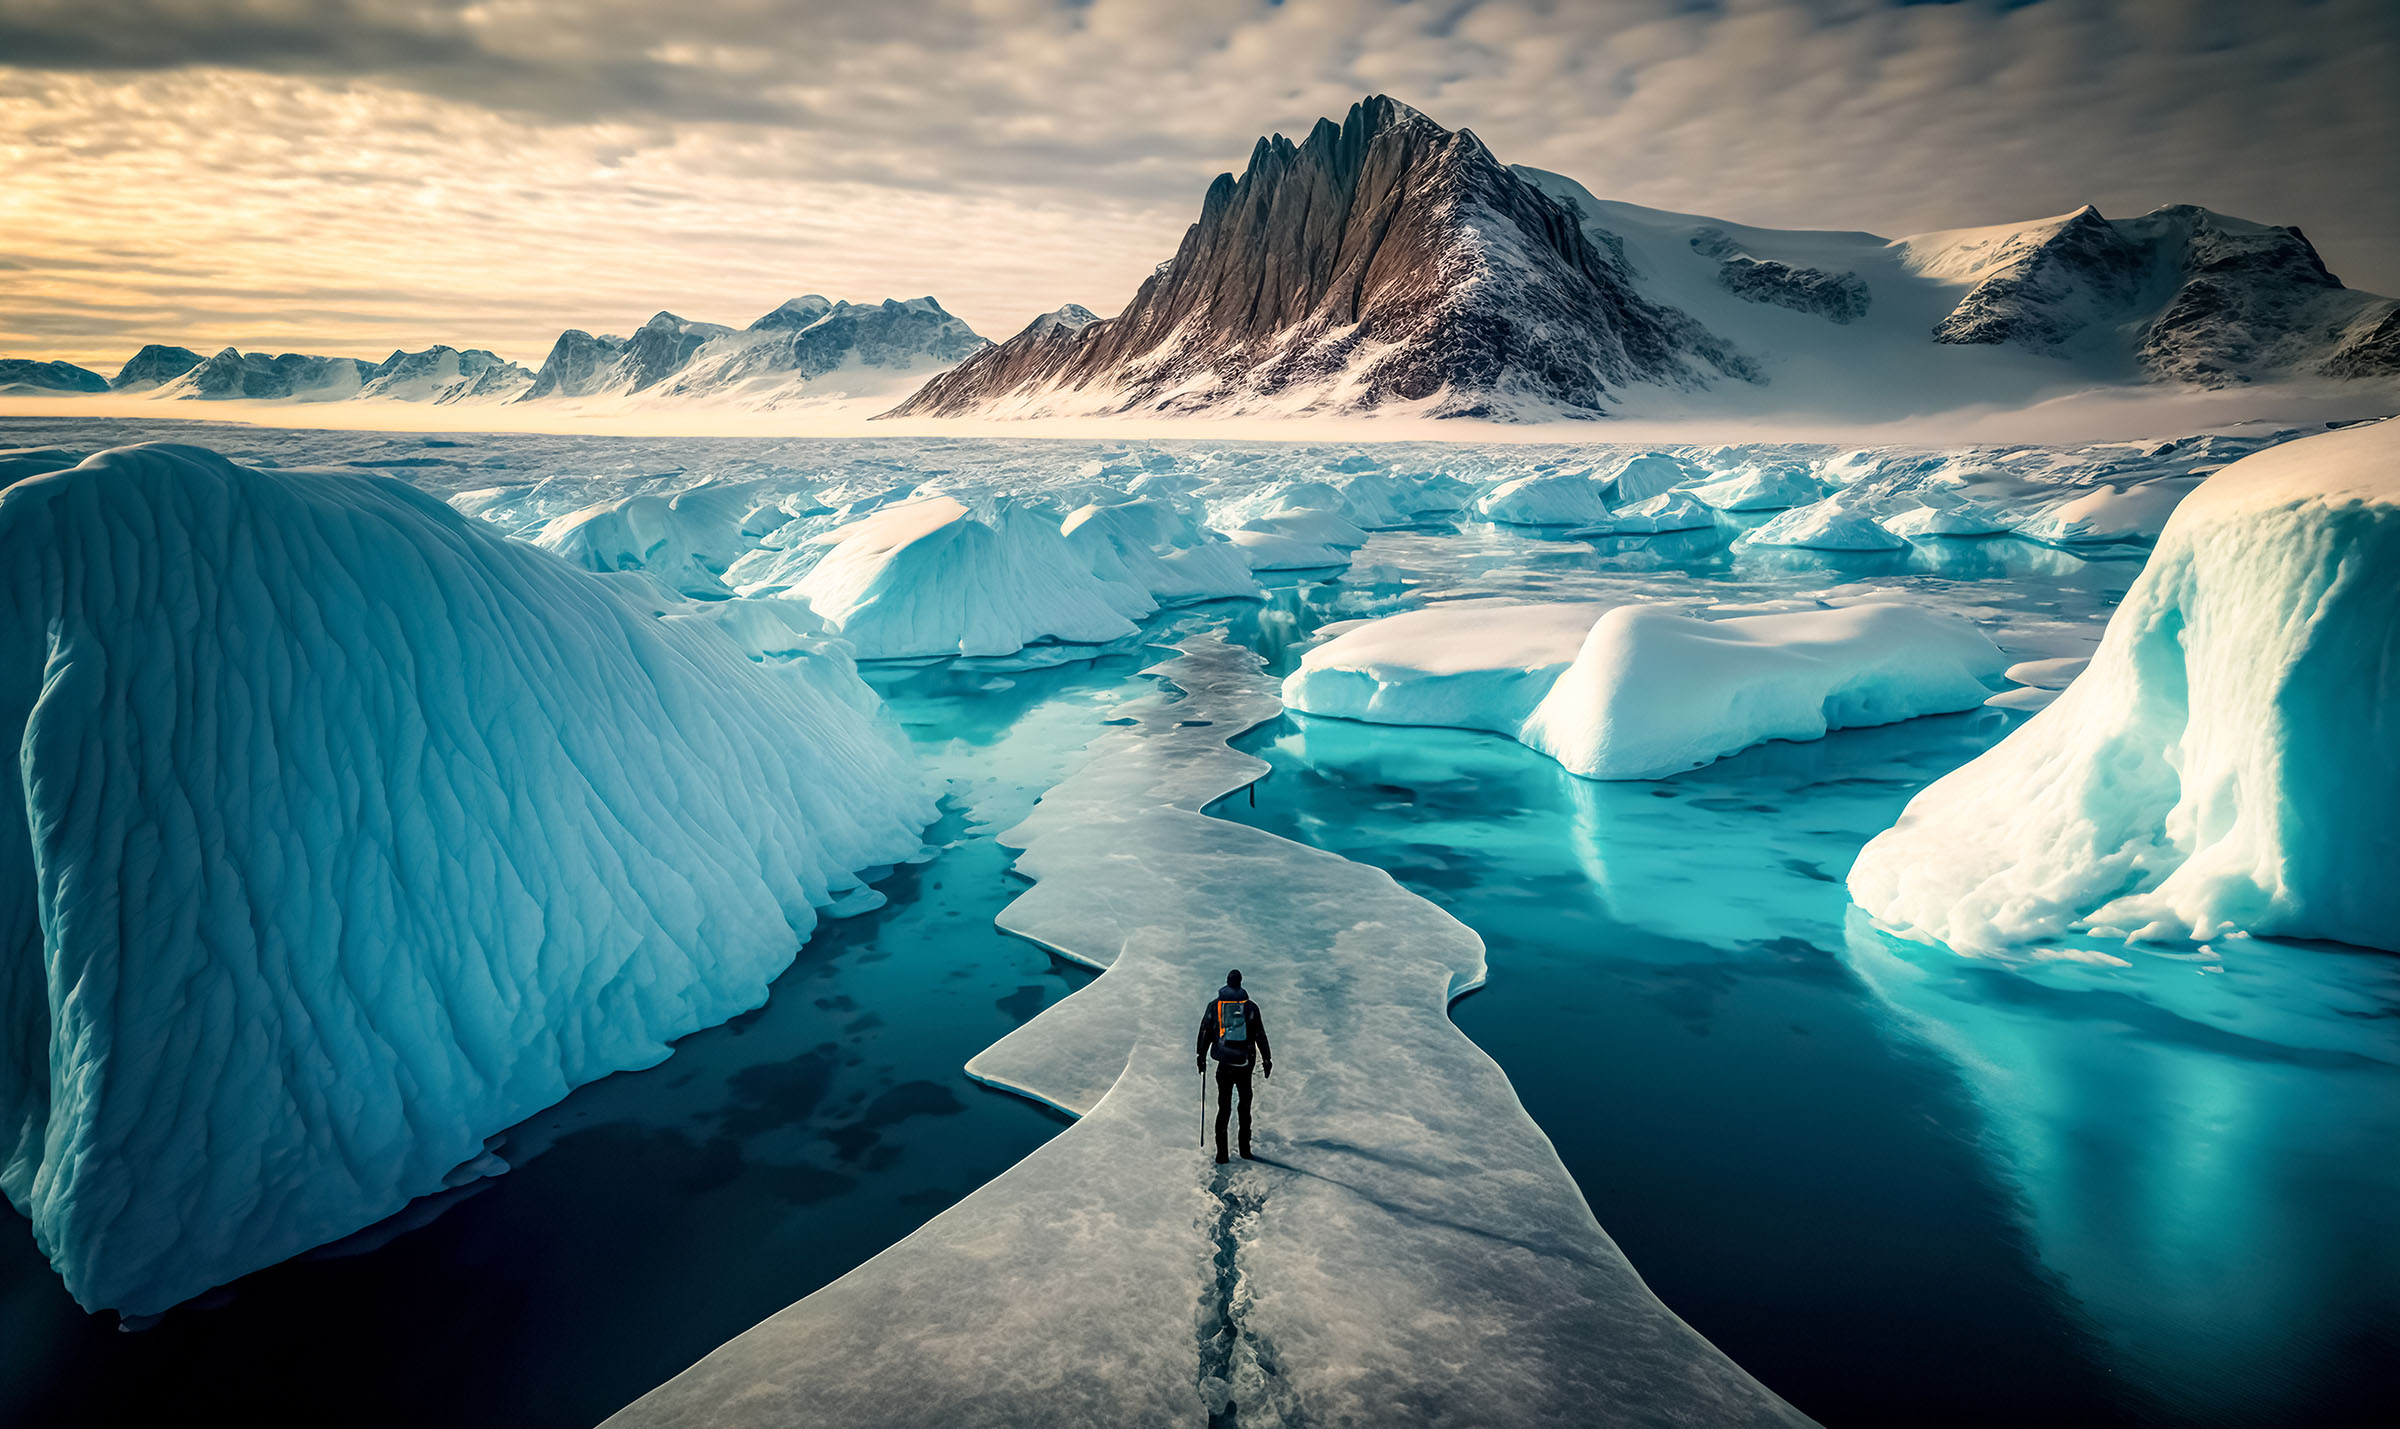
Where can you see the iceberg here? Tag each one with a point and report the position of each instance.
(1769, 487)
(1652, 693)
(687, 540)
(1667, 511)
(1408, 1250)
(2220, 766)
(1468, 665)
(1829, 525)
(1275, 551)
(1160, 550)
(2137, 512)
(344, 832)
(932, 577)
(1958, 518)
(1640, 692)
(1638, 478)
(1551, 498)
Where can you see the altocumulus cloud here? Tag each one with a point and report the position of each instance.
(488, 173)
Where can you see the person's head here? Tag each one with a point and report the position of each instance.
(1234, 978)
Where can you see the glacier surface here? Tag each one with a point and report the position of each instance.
(343, 833)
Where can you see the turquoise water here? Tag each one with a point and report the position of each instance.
(1899, 1187)
(655, 1214)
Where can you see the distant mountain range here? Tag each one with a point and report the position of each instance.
(809, 349)
(1388, 264)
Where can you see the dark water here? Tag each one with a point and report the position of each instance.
(652, 1215)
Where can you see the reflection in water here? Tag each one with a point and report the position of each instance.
(651, 1215)
(2208, 1145)
(2069, 1194)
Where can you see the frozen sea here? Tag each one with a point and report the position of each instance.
(1896, 1186)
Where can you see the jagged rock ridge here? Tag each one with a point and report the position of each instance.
(1386, 261)
(2201, 297)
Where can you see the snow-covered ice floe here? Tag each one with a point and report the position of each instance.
(1829, 525)
(2106, 514)
(2225, 763)
(343, 832)
(1640, 692)
(1667, 511)
(1554, 498)
(1409, 1250)
(934, 577)
(1768, 486)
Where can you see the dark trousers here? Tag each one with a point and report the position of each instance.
(1229, 1079)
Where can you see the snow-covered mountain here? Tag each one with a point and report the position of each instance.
(154, 366)
(1391, 264)
(808, 349)
(442, 374)
(20, 375)
(1386, 262)
(233, 374)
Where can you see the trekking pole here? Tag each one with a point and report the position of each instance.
(1204, 1109)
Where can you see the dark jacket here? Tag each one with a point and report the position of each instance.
(1256, 1046)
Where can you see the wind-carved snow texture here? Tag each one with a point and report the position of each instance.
(341, 832)
(1408, 1250)
(2226, 762)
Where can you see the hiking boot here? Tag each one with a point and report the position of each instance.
(1221, 1157)
(1246, 1156)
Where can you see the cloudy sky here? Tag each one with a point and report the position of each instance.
(347, 176)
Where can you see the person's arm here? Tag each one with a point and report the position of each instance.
(1258, 1030)
(1207, 1026)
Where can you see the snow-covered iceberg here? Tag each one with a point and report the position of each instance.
(933, 577)
(1829, 525)
(343, 832)
(1760, 487)
(1160, 550)
(1652, 693)
(1667, 511)
(1638, 478)
(2225, 764)
(1641, 692)
(2136, 512)
(1550, 498)
(1954, 518)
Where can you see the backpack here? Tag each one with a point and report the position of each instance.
(1233, 1031)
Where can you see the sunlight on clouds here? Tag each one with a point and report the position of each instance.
(347, 177)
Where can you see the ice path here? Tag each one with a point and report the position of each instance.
(1409, 1249)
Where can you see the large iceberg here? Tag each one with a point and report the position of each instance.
(2225, 764)
(1652, 693)
(1640, 692)
(344, 832)
(1161, 550)
(934, 577)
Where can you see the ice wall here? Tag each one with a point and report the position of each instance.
(1410, 1250)
(2229, 762)
(342, 832)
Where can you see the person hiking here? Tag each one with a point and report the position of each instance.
(1232, 1032)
